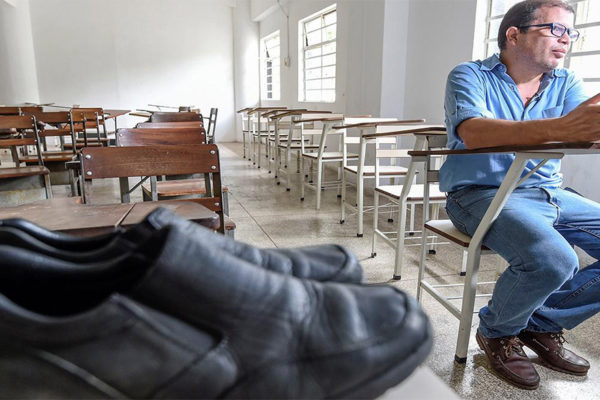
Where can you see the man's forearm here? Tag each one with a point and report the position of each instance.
(483, 132)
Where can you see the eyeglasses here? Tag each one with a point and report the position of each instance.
(557, 30)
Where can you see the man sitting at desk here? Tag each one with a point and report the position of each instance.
(521, 97)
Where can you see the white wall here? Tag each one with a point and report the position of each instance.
(126, 54)
(440, 36)
(246, 67)
(18, 79)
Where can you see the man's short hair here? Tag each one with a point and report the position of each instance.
(524, 13)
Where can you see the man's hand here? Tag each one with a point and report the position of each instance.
(583, 123)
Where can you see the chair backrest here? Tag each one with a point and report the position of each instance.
(162, 125)
(54, 117)
(212, 123)
(430, 140)
(26, 133)
(31, 109)
(175, 116)
(121, 162)
(10, 111)
(153, 137)
(315, 124)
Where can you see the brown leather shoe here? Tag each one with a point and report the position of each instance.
(549, 348)
(508, 361)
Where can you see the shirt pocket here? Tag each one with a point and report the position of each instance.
(553, 112)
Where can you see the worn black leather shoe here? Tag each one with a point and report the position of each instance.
(327, 262)
(60, 343)
(323, 263)
(291, 338)
(276, 336)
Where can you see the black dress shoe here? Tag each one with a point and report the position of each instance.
(323, 263)
(283, 337)
(291, 338)
(105, 247)
(118, 349)
(59, 240)
(327, 262)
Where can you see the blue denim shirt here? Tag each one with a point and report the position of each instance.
(483, 89)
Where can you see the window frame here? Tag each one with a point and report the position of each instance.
(304, 48)
(274, 67)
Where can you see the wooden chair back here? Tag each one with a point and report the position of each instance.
(162, 125)
(153, 137)
(31, 109)
(10, 111)
(175, 116)
(212, 123)
(26, 134)
(121, 162)
(89, 118)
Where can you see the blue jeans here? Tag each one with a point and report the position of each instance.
(543, 289)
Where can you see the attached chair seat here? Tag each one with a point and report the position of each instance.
(331, 155)
(415, 193)
(31, 170)
(369, 170)
(446, 229)
(179, 187)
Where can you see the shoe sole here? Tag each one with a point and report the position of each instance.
(505, 379)
(389, 378)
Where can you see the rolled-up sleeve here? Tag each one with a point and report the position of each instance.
(465, 97)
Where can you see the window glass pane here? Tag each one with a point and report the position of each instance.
(494, 26)
(313, 73)
(313, 52)
(589, 39)
(592, 88)
(312, 25)
(502, 6)
(314, 37)
(586, 67)
(329, 32)
(274, 52)
(329, 95)
(313, 62)
(330, 18)
(329, 72)
(588, 11)
(313, 95)
(492, 48)
(329, 48)
(329, 83)
(329, 60)
(313, 84)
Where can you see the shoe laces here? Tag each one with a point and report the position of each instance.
(512, 344)
(559, 338)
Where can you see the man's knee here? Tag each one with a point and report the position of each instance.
(555, 265)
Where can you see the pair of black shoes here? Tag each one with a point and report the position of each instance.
(169, 309)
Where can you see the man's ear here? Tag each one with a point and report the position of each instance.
(512, 34)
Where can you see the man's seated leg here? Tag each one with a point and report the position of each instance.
(541, 261)
(579, 298)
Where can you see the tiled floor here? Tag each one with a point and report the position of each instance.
(268, 216)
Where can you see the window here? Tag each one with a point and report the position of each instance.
(584, 56)
(316, 69)
(270, 67)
